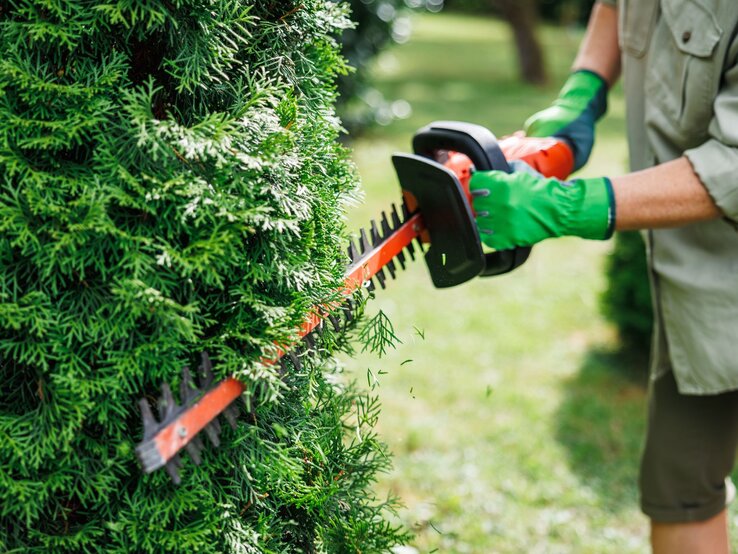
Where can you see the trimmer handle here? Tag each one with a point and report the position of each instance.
(549, 156)
(482, 148)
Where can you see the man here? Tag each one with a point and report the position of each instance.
(679, 60)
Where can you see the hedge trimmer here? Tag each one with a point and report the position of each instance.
(435, 213)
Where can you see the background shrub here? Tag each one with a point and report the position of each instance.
(627, 300)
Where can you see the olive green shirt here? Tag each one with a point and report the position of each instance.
(680, 73)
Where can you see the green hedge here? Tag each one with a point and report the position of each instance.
(171, 182)
(627, 300)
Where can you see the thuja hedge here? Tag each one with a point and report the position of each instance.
(627, 300)
(170, 182)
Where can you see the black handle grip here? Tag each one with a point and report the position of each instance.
(474, 141)
(482, 148)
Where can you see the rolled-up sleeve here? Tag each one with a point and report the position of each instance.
(716, 161)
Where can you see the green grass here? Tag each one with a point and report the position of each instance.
(513, 425)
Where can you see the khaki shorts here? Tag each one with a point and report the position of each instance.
(689, 453)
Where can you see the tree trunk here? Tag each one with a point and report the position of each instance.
(523, 17)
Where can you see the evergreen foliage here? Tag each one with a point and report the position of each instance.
(171, 182)
(378, 335)
(627, 300)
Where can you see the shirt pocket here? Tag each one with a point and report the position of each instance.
(683, 71)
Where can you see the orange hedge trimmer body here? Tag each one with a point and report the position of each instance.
(436, 213)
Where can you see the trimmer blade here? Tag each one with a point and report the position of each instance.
(405, 211)
(353, 252)
(177, 425)
(212, 430)
(385, 224)
(309, 341)
(206, 370)
(170, 411)
(411, 250)
(364, 241)
(348, 310)
(231, 415)
(334, 322)
(396, 222)
(295, 359)
(173, 466)
(391, 268)
(149, 423)
(401, 258)
(376, 237)
(194, 448)
(381, 278)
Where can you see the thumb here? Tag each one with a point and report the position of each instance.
(519, 166)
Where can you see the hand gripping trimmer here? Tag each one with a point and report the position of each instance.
(436, 211)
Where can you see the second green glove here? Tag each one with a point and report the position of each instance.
(524, 207)
(573, 115)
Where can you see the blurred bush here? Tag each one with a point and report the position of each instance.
(566, 12)
(379, 23)
(627, 300)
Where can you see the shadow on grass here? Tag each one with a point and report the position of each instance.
(601, 424)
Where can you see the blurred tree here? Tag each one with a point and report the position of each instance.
(523, 18)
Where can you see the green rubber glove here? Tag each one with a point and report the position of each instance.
(572, 117)
(524, 207)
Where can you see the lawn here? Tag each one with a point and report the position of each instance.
(515, 425)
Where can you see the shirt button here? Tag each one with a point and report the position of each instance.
(686, 36)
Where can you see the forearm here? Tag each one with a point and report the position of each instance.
(600, 51)
(523, 208)
(668, 195)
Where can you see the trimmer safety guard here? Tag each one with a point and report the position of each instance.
(455, 253)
